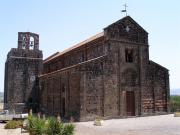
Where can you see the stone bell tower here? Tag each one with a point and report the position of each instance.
(22, 67)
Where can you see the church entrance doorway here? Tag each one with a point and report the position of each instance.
(130, 103)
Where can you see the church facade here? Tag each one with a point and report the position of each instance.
(108, 75)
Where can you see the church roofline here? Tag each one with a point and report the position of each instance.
(53, 55)
(99, 35)
(152, 62)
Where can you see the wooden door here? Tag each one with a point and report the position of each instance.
(130, 103)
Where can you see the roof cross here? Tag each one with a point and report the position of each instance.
(125, 9)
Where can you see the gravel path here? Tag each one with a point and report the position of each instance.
(154, 125)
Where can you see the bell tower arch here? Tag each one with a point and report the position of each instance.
(28, 41)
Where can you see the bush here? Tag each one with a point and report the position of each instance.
(51, 126)
(175, 103)
(55, 127)
(36, 126)
(13, 124)
(68, 129)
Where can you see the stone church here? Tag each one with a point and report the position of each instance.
(108, 75)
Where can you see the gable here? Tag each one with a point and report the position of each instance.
(128, 30)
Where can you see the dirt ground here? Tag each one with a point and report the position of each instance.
(153, 125)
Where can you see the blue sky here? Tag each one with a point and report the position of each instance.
(62, 23)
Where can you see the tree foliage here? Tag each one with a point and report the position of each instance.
(175, 103)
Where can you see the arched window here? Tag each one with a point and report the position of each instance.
(31, 43)
(129, 55)
(24, 42)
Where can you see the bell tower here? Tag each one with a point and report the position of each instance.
(28, 41)
(22, 67)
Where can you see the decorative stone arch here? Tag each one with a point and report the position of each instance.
(31, 43)
(24, 40)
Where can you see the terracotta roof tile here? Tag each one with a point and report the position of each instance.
(75, 46)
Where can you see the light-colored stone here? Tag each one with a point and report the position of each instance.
(153, 125)
(177, 114)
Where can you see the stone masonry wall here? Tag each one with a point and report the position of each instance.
(81, 86)
(81, 54)
(161, 88)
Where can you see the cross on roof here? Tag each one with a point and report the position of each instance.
(125, 9)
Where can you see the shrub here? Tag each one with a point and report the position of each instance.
(13, 124)
(36, 125)
(68, 129)
(175, 103)
(51, 126)
(55, 127)
(60, 129)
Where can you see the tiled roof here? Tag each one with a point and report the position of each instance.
(75, 46)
